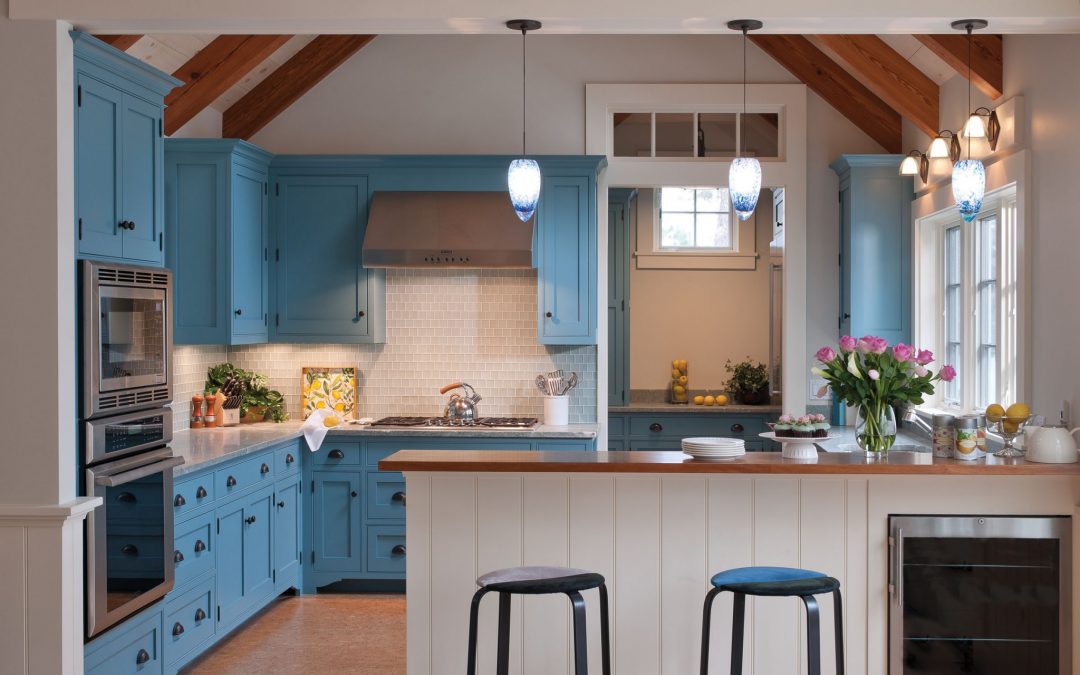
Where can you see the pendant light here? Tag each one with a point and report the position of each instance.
(969, 175)
(744, 177)
(523, 176)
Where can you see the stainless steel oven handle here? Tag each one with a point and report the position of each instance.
(900, 567)
(114, 480)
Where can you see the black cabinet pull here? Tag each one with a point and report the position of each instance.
(200, 493)
(200, 615)
(281, 505)
(547, 314)
(126, 497)
(398, 497)
(847, 315)
(179, 501)
(131, 225)
(142, 657)
(199, 546)
(178, 557)
(355, 493)
(361, 314)
(177, 629)
(249, 520)
(289, 459)
(656, 426)
(129, 549)
(230, 482)
(264, 469)
(736, 428)
(238, 312)
(398, 550)
(336, 454)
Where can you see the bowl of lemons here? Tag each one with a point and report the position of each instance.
(1008, 423)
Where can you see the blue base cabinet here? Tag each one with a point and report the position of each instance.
(665, 431)
(119, 158)
(135, 646)
(217, 217)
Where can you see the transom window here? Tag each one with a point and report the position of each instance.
(695, 219)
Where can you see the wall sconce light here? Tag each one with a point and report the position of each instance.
(975, 127)
(915, 164)
(940, 148)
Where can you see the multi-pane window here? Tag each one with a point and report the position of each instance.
(695, 218)
(953, 309)
(986, 310)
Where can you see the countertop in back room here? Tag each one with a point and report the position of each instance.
(729, 409)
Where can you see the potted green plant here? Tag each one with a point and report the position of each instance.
(748, 382)
(259, 402)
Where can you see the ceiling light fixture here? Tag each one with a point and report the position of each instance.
(990, 129)
(744, 177)
(969, 175)
(523, 176)
(940, 148)
(915, 164)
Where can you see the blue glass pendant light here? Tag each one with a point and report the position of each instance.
(523, 176)
(744, 177)
(969, 175)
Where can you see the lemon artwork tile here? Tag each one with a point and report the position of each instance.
(333, 388)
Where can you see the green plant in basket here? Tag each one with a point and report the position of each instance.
(748, 382)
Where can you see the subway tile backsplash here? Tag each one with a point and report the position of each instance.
(477, 326)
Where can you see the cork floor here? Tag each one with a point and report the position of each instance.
(326, 634)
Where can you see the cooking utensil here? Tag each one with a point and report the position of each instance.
(571, 382)
(461, 409)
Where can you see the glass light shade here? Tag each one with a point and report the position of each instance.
(975, 127)
(939, 148)
(910, 166)
(968, 187)
(523, 181)
(744, 184)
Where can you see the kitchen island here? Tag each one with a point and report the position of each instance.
(657, 525)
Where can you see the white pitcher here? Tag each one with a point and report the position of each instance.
(1051, 445)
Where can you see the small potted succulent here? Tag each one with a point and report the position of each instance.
(748, 382)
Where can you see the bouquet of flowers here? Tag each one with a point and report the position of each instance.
(873, 376)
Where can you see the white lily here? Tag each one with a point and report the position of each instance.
(817, 371)
(852, 366)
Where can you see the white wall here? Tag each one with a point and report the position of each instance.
(206, 124)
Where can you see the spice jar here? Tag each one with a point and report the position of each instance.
(970, 437)
(944, 434)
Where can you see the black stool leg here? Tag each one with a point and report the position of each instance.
(605, 636)
(738, 631)
(706, 629)
(813, 636)
(838, 619)
(474, 618)
(503, 665)
(581, 658)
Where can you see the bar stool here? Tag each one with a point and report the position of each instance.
(541, 581)
(775, 581)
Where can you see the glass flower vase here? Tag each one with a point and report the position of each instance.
(875, 428)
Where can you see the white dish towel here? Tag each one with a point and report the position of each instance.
(314, 428)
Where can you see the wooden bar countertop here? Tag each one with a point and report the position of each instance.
(897, 463)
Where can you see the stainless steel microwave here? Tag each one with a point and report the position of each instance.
(127, 338)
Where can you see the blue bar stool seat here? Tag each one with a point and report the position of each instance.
(775, 581)
(541, 581)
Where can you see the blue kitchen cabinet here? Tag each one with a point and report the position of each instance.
(119, 159)
(875, 247)
(337, 521)
(622, 218)
(287, 535)
(245, 557)
(322, 293)
(134, 647)
(665, 430)
(565, 259)
(218, 238)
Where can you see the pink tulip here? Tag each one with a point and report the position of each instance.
(924, 357)
(921, 371)
(948, 373)
(825, 354)
(874, 375)
(870, 344)
(848, 344)
(902, 352)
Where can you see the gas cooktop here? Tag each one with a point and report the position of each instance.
(445, 423)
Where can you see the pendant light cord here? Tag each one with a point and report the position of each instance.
(969, 29)
(742, 121)
(523, 31)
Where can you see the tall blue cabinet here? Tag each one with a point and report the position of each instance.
(875, 247)
(622, 218)
(218, 240)
(119, 154)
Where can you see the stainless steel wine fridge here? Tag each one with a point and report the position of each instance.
(973, 594)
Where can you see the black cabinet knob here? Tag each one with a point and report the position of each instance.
(177, 629)
(281, 505)
(289, 459)
(736, 428)
(178, 557)
(131, 225)
(355, 493)
(238, 312)
(847, 315)
(249, 520)
(361, 314)
(179, 501)
(129, 549)
(398, 550)
(230, 482)
(142, 657)
(200, 615)
(547, 314)
(264, 469)
(398, 497)
(126, 497)
(656, 426)
(200, 493)
(336, 454)
(199, 546)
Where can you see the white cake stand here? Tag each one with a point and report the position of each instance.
(797, 448)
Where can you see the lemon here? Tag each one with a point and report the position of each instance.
(1018, 412)
(682, 365)
(675, 364)
(699, 400)
(1010, 426)
(994, 412)
(675, 374)
(683, 379)
(679, 390)
(336, 394)
(331, 420)
(710, 400)
(320, 404)
(721, 399)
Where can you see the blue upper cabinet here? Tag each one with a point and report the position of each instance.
(875, 247)
(217, 217)
(119, 169)
(321, 291)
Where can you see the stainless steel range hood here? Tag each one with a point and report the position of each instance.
(446, 229)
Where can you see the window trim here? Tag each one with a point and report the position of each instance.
(658, 226)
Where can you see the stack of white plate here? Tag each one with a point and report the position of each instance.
(714, 448)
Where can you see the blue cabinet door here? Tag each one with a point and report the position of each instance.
(230, 561)
(248, 244)
(141, 174)
(322, 293)
(287, 533)
(336, 536)
(97, 168)
(565, 261)
(259, 545)
(245, 558)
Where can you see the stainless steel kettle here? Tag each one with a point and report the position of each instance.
(461, 409)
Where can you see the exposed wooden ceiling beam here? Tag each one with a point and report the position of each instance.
(121, 42)
(212, 71)
(834, 84)
(987, 70)
(889, 75)
(289, 82)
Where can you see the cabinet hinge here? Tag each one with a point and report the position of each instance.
(219, 612)
(160, 127)
(161, 241)
(80, 229)
(277, 255)
(266, 253)
(300, 558)
(275, 576)
(219, 531)
(624, 305)
(312, 487)
(78, 95)
(264, 319)
(264, 188)
(313, 556)
(277, 320)
(277, 189)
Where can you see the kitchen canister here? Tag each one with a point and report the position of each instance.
(944, 434)
(557, 411)
(970, 437)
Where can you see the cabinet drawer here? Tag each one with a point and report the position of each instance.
(189, 620)
(385, 495)
(566, 444)
(654, 444)
(135, 649)
(287, 460)
(194, 548)
(192, 493)
(616, 425)
(386, 548)
(696, 424)
(132, 503)
(337, 454)
(241, 476)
